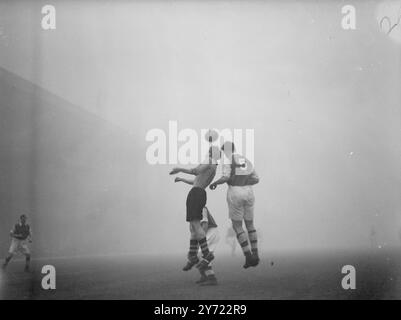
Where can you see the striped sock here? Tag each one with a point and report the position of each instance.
(193, 248)
(253, 239)
(243, 241)
(209, 271)
(7, 260)
(204, 247)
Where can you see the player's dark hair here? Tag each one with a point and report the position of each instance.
(228, 145)
(22, 216)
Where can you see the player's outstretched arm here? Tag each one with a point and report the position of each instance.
(193, 171)
(175, 171)
(222, 180)
(30, 235)
(14, 234)
(187, 181)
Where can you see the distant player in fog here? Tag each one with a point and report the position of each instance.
(21, 235)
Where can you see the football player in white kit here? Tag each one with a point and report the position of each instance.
(240, 177)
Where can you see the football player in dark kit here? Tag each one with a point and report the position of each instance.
(196, 201)
(21, 235)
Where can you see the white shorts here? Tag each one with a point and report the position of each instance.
(20, 246)
(212, 238)
(241, 201)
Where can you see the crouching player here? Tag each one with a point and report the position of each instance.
(21, 235)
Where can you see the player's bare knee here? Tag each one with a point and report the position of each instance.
(236, 223)
(249, 225)
(194, 225)
(199, 233)
(237, 226)
(192, 231)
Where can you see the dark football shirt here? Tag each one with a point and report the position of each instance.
(23, 231)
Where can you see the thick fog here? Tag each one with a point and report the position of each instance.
(77, 103)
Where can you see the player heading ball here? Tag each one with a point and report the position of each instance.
(196, 201)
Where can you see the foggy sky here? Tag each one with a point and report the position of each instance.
(324, 103)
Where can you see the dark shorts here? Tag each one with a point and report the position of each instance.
(196, 200)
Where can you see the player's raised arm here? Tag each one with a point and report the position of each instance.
(30, 234)
(193, 171)
(187, 181)
(13, 232)
(224, 178)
